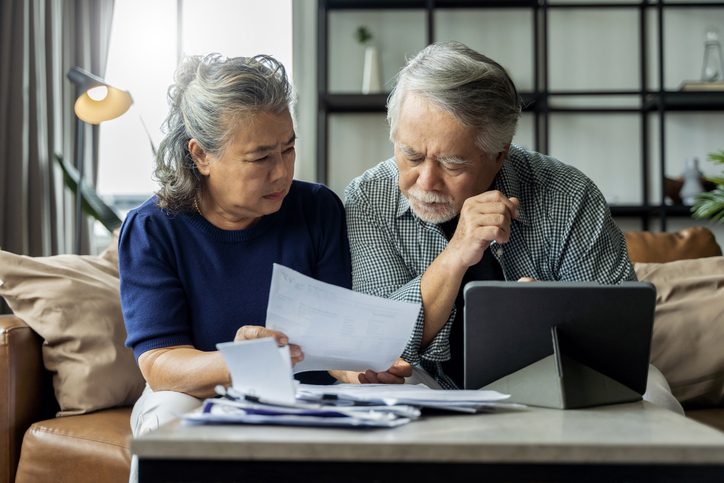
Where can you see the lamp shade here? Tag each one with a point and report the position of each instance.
(97, 105)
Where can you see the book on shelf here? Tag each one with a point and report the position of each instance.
(697, 86)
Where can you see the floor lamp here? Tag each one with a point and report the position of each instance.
(97, 102)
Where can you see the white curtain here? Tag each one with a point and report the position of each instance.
(40, 40)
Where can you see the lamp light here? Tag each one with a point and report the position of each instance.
(97, 102)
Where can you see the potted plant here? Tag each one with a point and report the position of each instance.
(710, 204)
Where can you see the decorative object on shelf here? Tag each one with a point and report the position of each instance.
(692, 186)
(713, 58)
(711, 204)
(372, 79)
(673, 188)
(695, 86)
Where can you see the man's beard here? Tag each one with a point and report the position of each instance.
(443, 210)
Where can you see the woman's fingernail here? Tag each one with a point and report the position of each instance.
(283, 341)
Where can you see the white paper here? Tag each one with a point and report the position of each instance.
(468, 401)
(408, 392)
(219, 411)
(338, 328)
(260, 368)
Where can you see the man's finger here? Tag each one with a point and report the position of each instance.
(389, 378)
(372, 377)
(401, 368)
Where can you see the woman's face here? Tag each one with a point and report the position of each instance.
(252, 176)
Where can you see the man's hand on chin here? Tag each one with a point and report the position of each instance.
(394, 375)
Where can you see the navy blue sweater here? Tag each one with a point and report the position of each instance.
(185, 281)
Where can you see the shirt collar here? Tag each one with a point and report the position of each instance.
(403, 206)
(507, 182)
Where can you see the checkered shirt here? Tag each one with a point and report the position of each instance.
(565, 232)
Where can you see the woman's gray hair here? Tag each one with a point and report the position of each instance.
(211, 96)
(472, 88)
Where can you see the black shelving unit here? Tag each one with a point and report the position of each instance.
(538, 101)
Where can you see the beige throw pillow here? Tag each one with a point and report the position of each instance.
(73, 303)
(688, 338)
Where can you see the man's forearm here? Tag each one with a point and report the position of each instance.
(439, 287)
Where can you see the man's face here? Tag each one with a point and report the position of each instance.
(440, 165)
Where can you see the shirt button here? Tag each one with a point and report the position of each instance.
(499, 251)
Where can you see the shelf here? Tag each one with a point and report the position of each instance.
(636, 211)
(423, 4)
(545, 103)
(679, 211)
(354, 103)
(633, 211)
(687, 101)
(673, 101)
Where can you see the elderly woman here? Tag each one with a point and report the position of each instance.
(196, 259)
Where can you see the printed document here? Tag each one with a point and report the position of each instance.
(261, 369)
(337, 328)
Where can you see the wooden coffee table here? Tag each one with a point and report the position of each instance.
(627, 442)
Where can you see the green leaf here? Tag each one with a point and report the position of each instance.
(717, 157)
(715, 179)
(710, 205)
(363, 34)
(91, 203)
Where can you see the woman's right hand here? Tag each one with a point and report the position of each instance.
(249, 332)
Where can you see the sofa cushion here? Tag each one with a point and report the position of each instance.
(693, 242)
(73, 303)
(87, 448)
(688, 337)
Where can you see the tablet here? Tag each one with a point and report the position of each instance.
(508, 326)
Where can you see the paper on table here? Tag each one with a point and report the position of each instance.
(407, 392)
(338, 328)
(219, 411)
(261, 369)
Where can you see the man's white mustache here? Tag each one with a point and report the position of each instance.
(429, 197)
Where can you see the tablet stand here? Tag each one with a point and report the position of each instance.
(560, 382)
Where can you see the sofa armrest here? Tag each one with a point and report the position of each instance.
(686, 244)
(21, 389)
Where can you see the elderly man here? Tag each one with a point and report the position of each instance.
(459, 202)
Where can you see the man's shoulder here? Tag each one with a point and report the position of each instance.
(380, 181)
(546, 173)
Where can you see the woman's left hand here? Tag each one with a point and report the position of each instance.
(249, 332)
(394, 375)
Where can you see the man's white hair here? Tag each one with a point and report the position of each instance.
(473, 89)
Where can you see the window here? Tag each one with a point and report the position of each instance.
(143, 54)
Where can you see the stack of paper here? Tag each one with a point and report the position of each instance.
(353, 405)
(225, 411)
(418, 395)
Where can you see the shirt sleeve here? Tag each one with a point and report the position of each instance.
(379, 269)
(591, 246)
(152, 298)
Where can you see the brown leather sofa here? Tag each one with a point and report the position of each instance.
(91, 447)
(35, 446)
